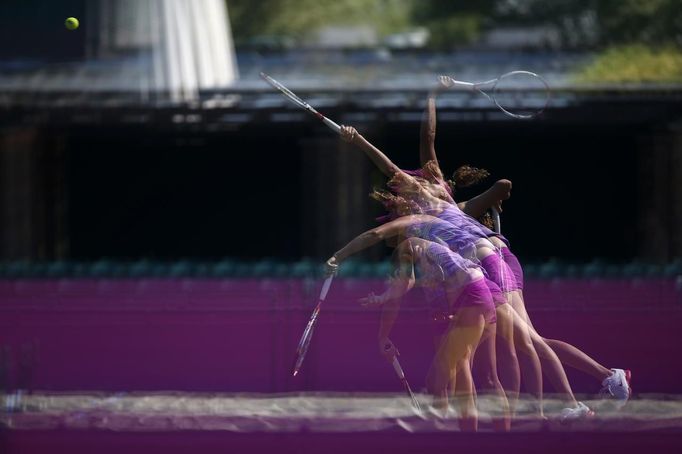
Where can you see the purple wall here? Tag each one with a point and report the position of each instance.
(240, 335)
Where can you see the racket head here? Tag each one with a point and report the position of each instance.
(299, 102)
(413, 398)
(401, 375)
(285, 91)
(505, 92)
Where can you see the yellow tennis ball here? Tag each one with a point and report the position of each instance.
(71, 23)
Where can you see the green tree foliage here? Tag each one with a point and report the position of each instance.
(450, 31)
(583, 23)
(298, 18)
(428, 11)
(450, 23)
(453, 23)
(601, 22)
(645, 21)
(634, 64)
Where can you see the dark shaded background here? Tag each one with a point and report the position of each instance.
(141, 193)
(31, 30)
(596, 179)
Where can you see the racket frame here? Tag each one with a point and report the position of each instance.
(401, 375)
(307, 335)
(291, 96)
(476, 86)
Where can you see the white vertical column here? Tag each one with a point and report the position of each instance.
(182, 46)
(184, 33)
(201, 45)
(225, 66)
(170, 51)
(159, 79)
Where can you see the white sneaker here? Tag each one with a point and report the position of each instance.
(617, 385)
(581, 411)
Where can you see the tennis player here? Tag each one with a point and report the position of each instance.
(469, 305)
(429, 197)
(615, 382)
(471, 248)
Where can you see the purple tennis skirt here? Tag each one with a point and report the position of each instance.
(498, 295)
(474, 294)
(477, 294)
(513, 263)
(499, 272)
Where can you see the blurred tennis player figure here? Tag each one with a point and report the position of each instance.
(438, 231)
(431, 197)
(469, 305)
(615, 382)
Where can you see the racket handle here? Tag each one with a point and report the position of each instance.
(325, 287)
(496, 221)
(333, 126)
(459, 83)
(397, 368)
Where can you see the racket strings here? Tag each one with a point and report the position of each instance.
(510, 91)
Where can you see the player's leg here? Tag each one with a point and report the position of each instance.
(551, 366)
(463, 395)
(529, 361)
(486, 362)
(572, 356)
(454, 354)
(615, 382)
(509, 371)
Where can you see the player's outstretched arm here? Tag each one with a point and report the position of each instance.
(427, 132)
(402, 281)
(385, 165)
(368, 239)
(390, 300)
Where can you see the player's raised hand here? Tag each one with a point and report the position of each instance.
(445, 82)
(348, 133)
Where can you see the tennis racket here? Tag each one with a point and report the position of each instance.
(505, 93)
(304, 343)
(300, 103)
(401, 375)
(496, 221)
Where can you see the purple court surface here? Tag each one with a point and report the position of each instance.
(188, 365)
